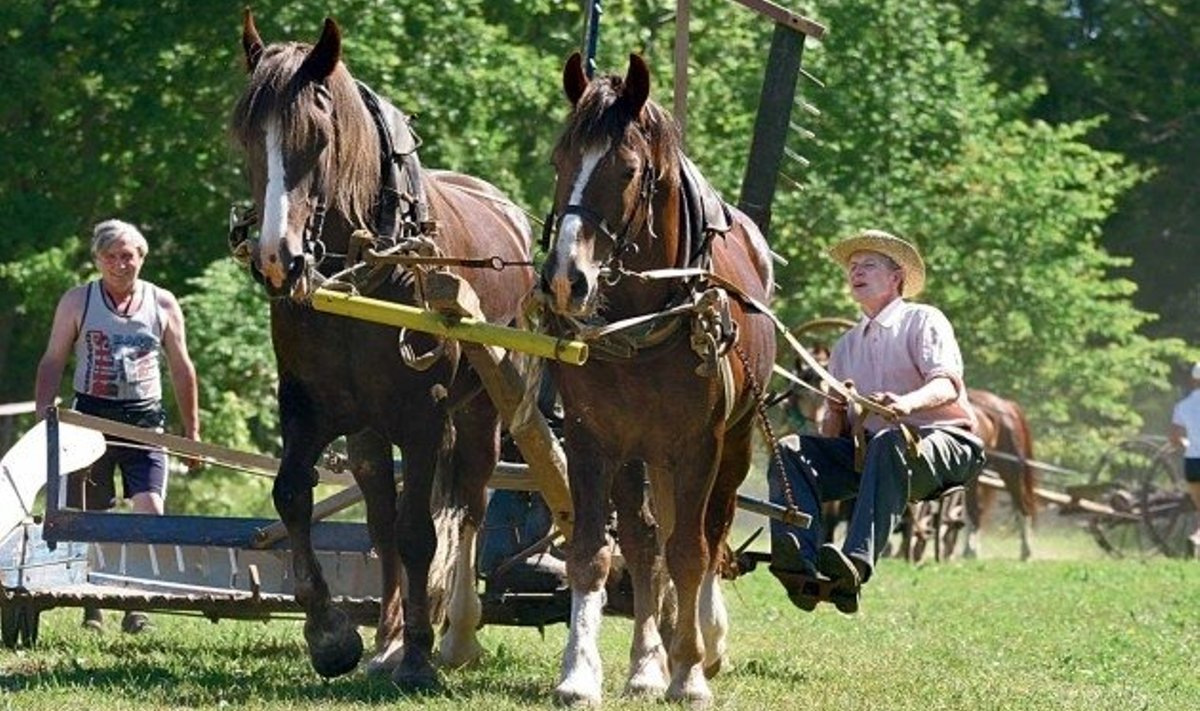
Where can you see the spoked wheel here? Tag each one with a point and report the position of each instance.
(918, 529)
(1167, 509)
(803, 404)
(952, 518)
(1132, 473)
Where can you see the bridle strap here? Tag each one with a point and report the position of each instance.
(623, 241)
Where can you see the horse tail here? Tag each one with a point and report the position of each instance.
(1023, 447)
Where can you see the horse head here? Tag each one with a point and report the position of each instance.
(312, 162)
(613, 162)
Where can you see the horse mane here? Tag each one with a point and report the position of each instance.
(602, 115)
(280, 87)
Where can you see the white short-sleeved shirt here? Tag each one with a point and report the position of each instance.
(1187, 416)
(905, 346)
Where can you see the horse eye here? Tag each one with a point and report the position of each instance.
(324, 97)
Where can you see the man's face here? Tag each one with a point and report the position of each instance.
(874, 279)
(120, 262)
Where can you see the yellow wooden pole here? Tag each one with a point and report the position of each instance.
(462, 328)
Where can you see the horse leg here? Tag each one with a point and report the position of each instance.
(417, 540)
(334, 646)
(588, 560)
(476, 451)
(637, 534)
(688, 559)
(1022, 496)
(975, 505)
(736, 453)
(371, 463)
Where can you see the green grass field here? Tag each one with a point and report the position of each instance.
(1070, 630)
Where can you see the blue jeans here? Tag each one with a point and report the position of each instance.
(820, 469)
(513, 521)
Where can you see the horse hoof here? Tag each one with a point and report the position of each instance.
(459, 653)
(691, 690)
(334, 647)
(416, 673)
(385, 662)
(576, 699)
(647, 690)
(714, 667)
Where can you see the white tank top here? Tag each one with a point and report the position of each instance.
(116, 355)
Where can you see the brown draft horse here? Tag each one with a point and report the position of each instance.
(670, 397)
(317, 172)
(1006, 436)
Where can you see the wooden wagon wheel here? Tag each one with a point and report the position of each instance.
(1119, 480)
(824, 323)
(788, 360)
(1167, 509)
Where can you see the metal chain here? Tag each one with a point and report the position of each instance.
(764, 422)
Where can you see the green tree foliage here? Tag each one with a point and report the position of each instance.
(113, 110)
(1133, 63)
(915, 139)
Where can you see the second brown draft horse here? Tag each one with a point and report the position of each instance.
(1009, 442)
(652, 268)
(327, 158)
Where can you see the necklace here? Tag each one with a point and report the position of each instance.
(111, 301)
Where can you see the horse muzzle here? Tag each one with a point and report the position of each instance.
(294, 281)
(569, 291)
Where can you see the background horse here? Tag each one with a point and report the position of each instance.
(327, 157)
(1006, 435)
(670, 395)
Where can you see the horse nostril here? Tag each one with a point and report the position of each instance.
(297, 267)
(579, 285)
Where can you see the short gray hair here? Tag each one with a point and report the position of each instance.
(109, 231)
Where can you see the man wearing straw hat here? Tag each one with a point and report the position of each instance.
(901, 355)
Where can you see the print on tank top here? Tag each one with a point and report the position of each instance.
(119, 359)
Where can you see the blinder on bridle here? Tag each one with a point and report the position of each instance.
(622, 242)
(243, 218)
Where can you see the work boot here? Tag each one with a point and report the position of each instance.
(93, 619)
(136, 623)
(845, 574)
(797, 575)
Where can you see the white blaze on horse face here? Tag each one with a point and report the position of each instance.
(275, 210)
(569, 249)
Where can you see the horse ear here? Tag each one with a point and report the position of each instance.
(324, 58)
(574, 80)
(252, 44)
(637, 84)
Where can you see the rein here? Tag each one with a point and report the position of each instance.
(848, 394)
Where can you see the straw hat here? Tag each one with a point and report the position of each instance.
(899, 251)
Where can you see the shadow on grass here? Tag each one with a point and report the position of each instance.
(247, 672)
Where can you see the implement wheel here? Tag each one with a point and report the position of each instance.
(1142, 484)
(1167, 509)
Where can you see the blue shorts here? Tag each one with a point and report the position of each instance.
(142, 471)
(1191, 470)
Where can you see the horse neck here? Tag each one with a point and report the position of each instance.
(356, 170)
